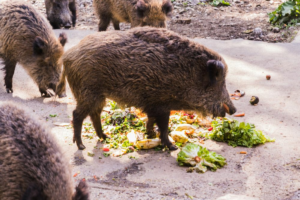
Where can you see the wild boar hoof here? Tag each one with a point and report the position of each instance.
(104, 136)
(9, 90)
(81, 146)
(62, 95)
(172, 147)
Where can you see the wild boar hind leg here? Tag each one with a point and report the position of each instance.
(116, 24)
(9, 69)
(95, 117)
(79, 114)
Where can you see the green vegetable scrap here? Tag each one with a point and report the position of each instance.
(91, 154)
(117, 124)
(220, 2)
(124, 121)
(286, 13)
(237, 133)
(200, 158)
(106, 154)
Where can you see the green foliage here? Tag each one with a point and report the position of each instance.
(113, 105)
(106, 154)
(220, 3)
(124, 121)
(200, 158)
(237, 134)
(287, 13)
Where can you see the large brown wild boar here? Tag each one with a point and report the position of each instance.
(26, 37)
(32, 164)
(61, 13)
(137, 12)
(153, 69)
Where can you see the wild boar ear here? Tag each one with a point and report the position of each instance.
(141, 8)
(81, 192)
(167, 7)
(63, 39)
(39, 45)
(215, 70)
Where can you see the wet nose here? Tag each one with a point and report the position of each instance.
(232, 111)
(67, 25)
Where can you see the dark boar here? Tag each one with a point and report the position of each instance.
(26, 37)
(61, 13)
(153, 69)
(137, 12)
(32, 164)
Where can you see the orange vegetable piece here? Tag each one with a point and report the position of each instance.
(173, 112)
(243, 152)
(75, 174)
(239, 115)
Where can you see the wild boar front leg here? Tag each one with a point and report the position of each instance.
(161, 118)
(72, 8)
(104, 22)
(149, 127)
(9, 69)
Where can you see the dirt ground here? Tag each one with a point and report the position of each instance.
(267, 172)
(245, 19)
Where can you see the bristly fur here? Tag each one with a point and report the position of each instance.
(153, 69)
(32, 163)
(137, 12)
(26, 37)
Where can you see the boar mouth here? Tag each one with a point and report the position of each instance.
(221, 109)
(49, 92)
(52, 86)
(228, 109)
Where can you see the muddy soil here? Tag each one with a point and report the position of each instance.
(245, 19)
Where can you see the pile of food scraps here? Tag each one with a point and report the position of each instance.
(127, 132)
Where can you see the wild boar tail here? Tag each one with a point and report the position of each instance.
(61, 87)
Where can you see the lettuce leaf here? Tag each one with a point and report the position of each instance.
(237, 133)
(206, 160)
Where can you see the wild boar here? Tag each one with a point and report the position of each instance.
(137, 12)
(32, 164)
(26, 37)
(153, 69)
(61, 13)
